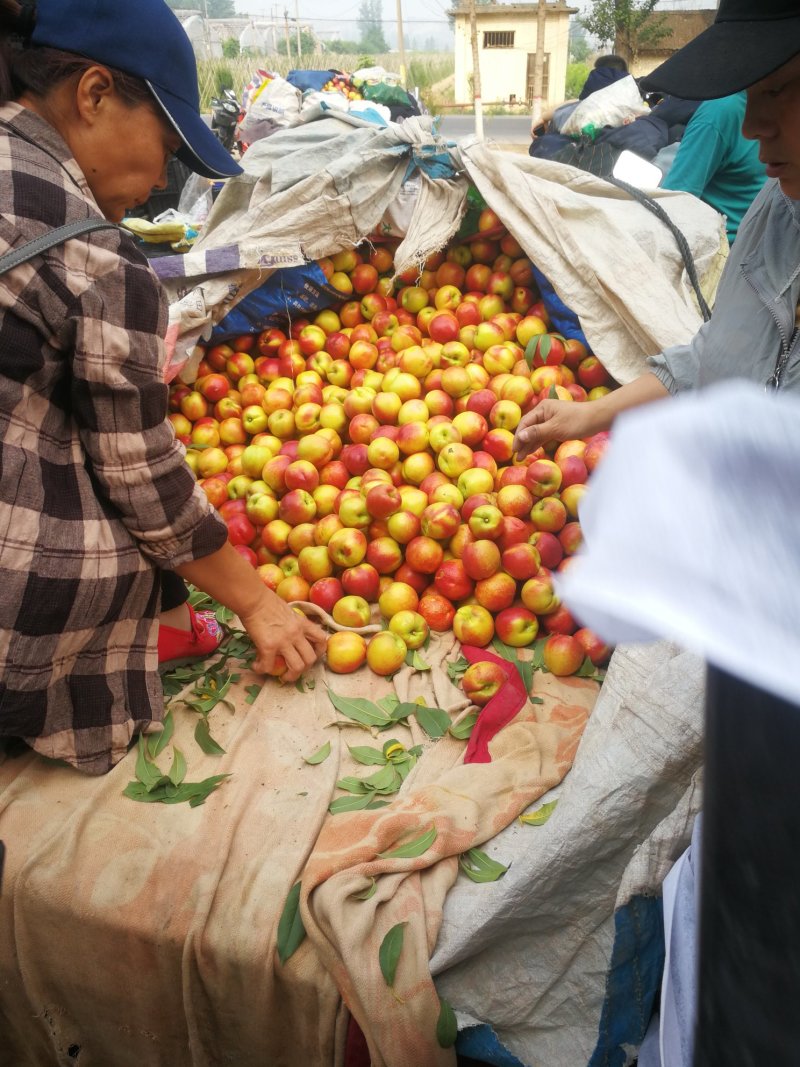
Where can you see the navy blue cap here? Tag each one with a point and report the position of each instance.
(146, 40)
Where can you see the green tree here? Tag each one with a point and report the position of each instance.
(230, 48)
(630, 25)
(370, 25)
(343, 48)
(308, 43)
(579, 47)
(577, 73)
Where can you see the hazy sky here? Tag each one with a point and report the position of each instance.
(421, 18)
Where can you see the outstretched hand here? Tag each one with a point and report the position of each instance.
(550, 420)
(280, 633)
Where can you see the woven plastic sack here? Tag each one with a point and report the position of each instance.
(616, 105)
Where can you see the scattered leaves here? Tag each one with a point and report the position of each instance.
(291, 932)
(156, 743)
(352, 803)
(360, 710)
(480, 867)
(369, 891)
(252, 692)
(320, 755)
(540, 816)
(411, 849)
(202, 735)
(446, 1025)
(456, 669)
(367, 755)
(433, 721)
(462, 731)
(389, 952)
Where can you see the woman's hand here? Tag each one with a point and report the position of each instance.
(551, 420)
(280, 633)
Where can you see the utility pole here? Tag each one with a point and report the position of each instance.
(401, 44)
(538, 65)
(286, 28)
(297, 27)
(476, 72)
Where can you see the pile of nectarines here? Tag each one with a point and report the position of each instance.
(365, 457)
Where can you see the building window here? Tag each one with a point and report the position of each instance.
(545, 77)
(498, 39)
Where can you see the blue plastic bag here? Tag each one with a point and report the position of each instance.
(290, 292)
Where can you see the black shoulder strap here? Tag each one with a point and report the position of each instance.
(683, 245)
(50, 240)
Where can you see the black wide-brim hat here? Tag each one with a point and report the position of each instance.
(748, 40)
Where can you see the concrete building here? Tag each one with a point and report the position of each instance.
(507, 48)
(682, 27)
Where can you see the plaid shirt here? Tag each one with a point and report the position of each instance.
(95, 495)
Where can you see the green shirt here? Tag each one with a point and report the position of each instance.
(716, 163)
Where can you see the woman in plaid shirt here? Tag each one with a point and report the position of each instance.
(98, 509)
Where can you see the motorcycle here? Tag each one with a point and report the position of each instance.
(225, 118)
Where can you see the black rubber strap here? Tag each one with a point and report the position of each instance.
(683, 245)
(49, 240)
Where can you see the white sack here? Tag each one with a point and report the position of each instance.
(529, 954)
(614, 105)
(276, 107)
(609, 259)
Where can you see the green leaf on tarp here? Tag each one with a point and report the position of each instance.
(388, 703)
(168, 793)
(433, 721)
(540, 816)
(401, 711)
(411, 849)
(146, 771)
(360, 710)
(156, 743)
(538, 654)
(252, 692)
(202, 735)
(351, 784)
(525, 668)
(463, 730)
(391, 750)
(367, 755)
(537, 700)
(291, 932)
(446, 1025)
(320, 755)
(370, 892)
(409, 658)
(418, 663)
(456, 669)
(505, 651)
(389, 952)
(377, 804)
(480, 867)
(177, 771)
(311, 683)
(384, 781)
(586, 670)
(354, 803)
(300, 685)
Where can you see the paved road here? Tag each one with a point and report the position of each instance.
(507, 129)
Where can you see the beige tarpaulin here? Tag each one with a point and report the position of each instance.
(146, 934)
